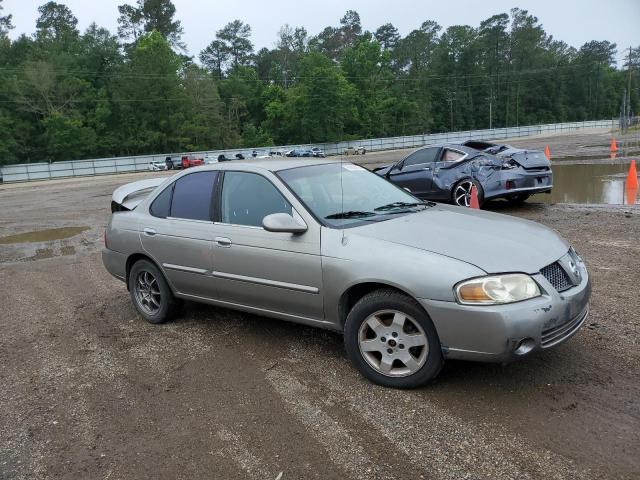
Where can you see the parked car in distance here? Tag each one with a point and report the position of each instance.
(191, 161)
(299, 152)
(156, 166)
(316, 152)
(173, 162)
(330, 244)
(354, 151)
(448, 172)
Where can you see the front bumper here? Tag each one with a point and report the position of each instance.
(503, 333)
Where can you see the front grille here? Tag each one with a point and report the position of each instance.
(557, 276)
(557, 334)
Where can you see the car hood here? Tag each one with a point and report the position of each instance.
(493, 242)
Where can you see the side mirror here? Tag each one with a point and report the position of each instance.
(282, 222)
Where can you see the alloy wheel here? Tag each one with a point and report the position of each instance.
(147, 292)
(462, 193)
(393, 343)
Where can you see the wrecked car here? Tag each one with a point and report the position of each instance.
(332, 245)
(155, 166)
(446, 173)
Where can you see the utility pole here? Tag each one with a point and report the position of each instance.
(623, 112)
(451, 97)
(627, 119)
(490, 99)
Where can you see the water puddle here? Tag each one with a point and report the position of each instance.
(589, 183)
(43, 235)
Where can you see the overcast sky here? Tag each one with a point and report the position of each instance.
(573, 21)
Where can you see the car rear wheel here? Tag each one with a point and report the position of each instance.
(150, 293)
(461, 192)
(392, 341)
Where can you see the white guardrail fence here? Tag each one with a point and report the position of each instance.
(103, 166)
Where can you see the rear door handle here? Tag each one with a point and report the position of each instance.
(222, 242)
(150, 232)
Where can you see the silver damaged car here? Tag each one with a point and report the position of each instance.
(329, 244)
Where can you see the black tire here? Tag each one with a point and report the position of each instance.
(518, 199)
(384, 300)
(168, 305)
(463, 182)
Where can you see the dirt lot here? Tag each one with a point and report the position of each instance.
(89, 390)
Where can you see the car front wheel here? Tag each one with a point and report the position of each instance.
(392, 341)
(150, 293)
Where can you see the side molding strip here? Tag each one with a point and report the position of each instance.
(264, 281)
(182, 268)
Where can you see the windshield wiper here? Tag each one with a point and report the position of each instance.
(391, 206)
(349, 214)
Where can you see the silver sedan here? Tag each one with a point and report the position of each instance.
(332, 245)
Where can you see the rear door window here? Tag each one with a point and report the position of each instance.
(161, 206)
(450, 155)
(248, 197)
(192, 196)
(424, 155)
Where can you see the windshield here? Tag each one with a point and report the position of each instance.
(343, 194)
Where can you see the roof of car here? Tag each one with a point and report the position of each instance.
(270, 164)
(455, 146)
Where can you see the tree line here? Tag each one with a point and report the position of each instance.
(66, 94)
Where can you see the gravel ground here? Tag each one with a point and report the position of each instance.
(89, 390)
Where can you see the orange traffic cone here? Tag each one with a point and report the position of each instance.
(473, 202)
(613, 148)
(631, 196)
(547, 152)
(632, 177)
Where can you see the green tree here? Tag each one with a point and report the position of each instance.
(148, 16)
(322, 103)
(149, 98)
(367, 67)
(387, 35)
(5, 22)
(214, 57)
(56, 24)
(235, 38)
(203, 126)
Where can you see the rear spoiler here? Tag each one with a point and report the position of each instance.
(129, 196)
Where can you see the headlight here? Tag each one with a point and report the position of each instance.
(497, 289)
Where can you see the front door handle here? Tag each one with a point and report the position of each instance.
(223, 242)
(150, 232)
